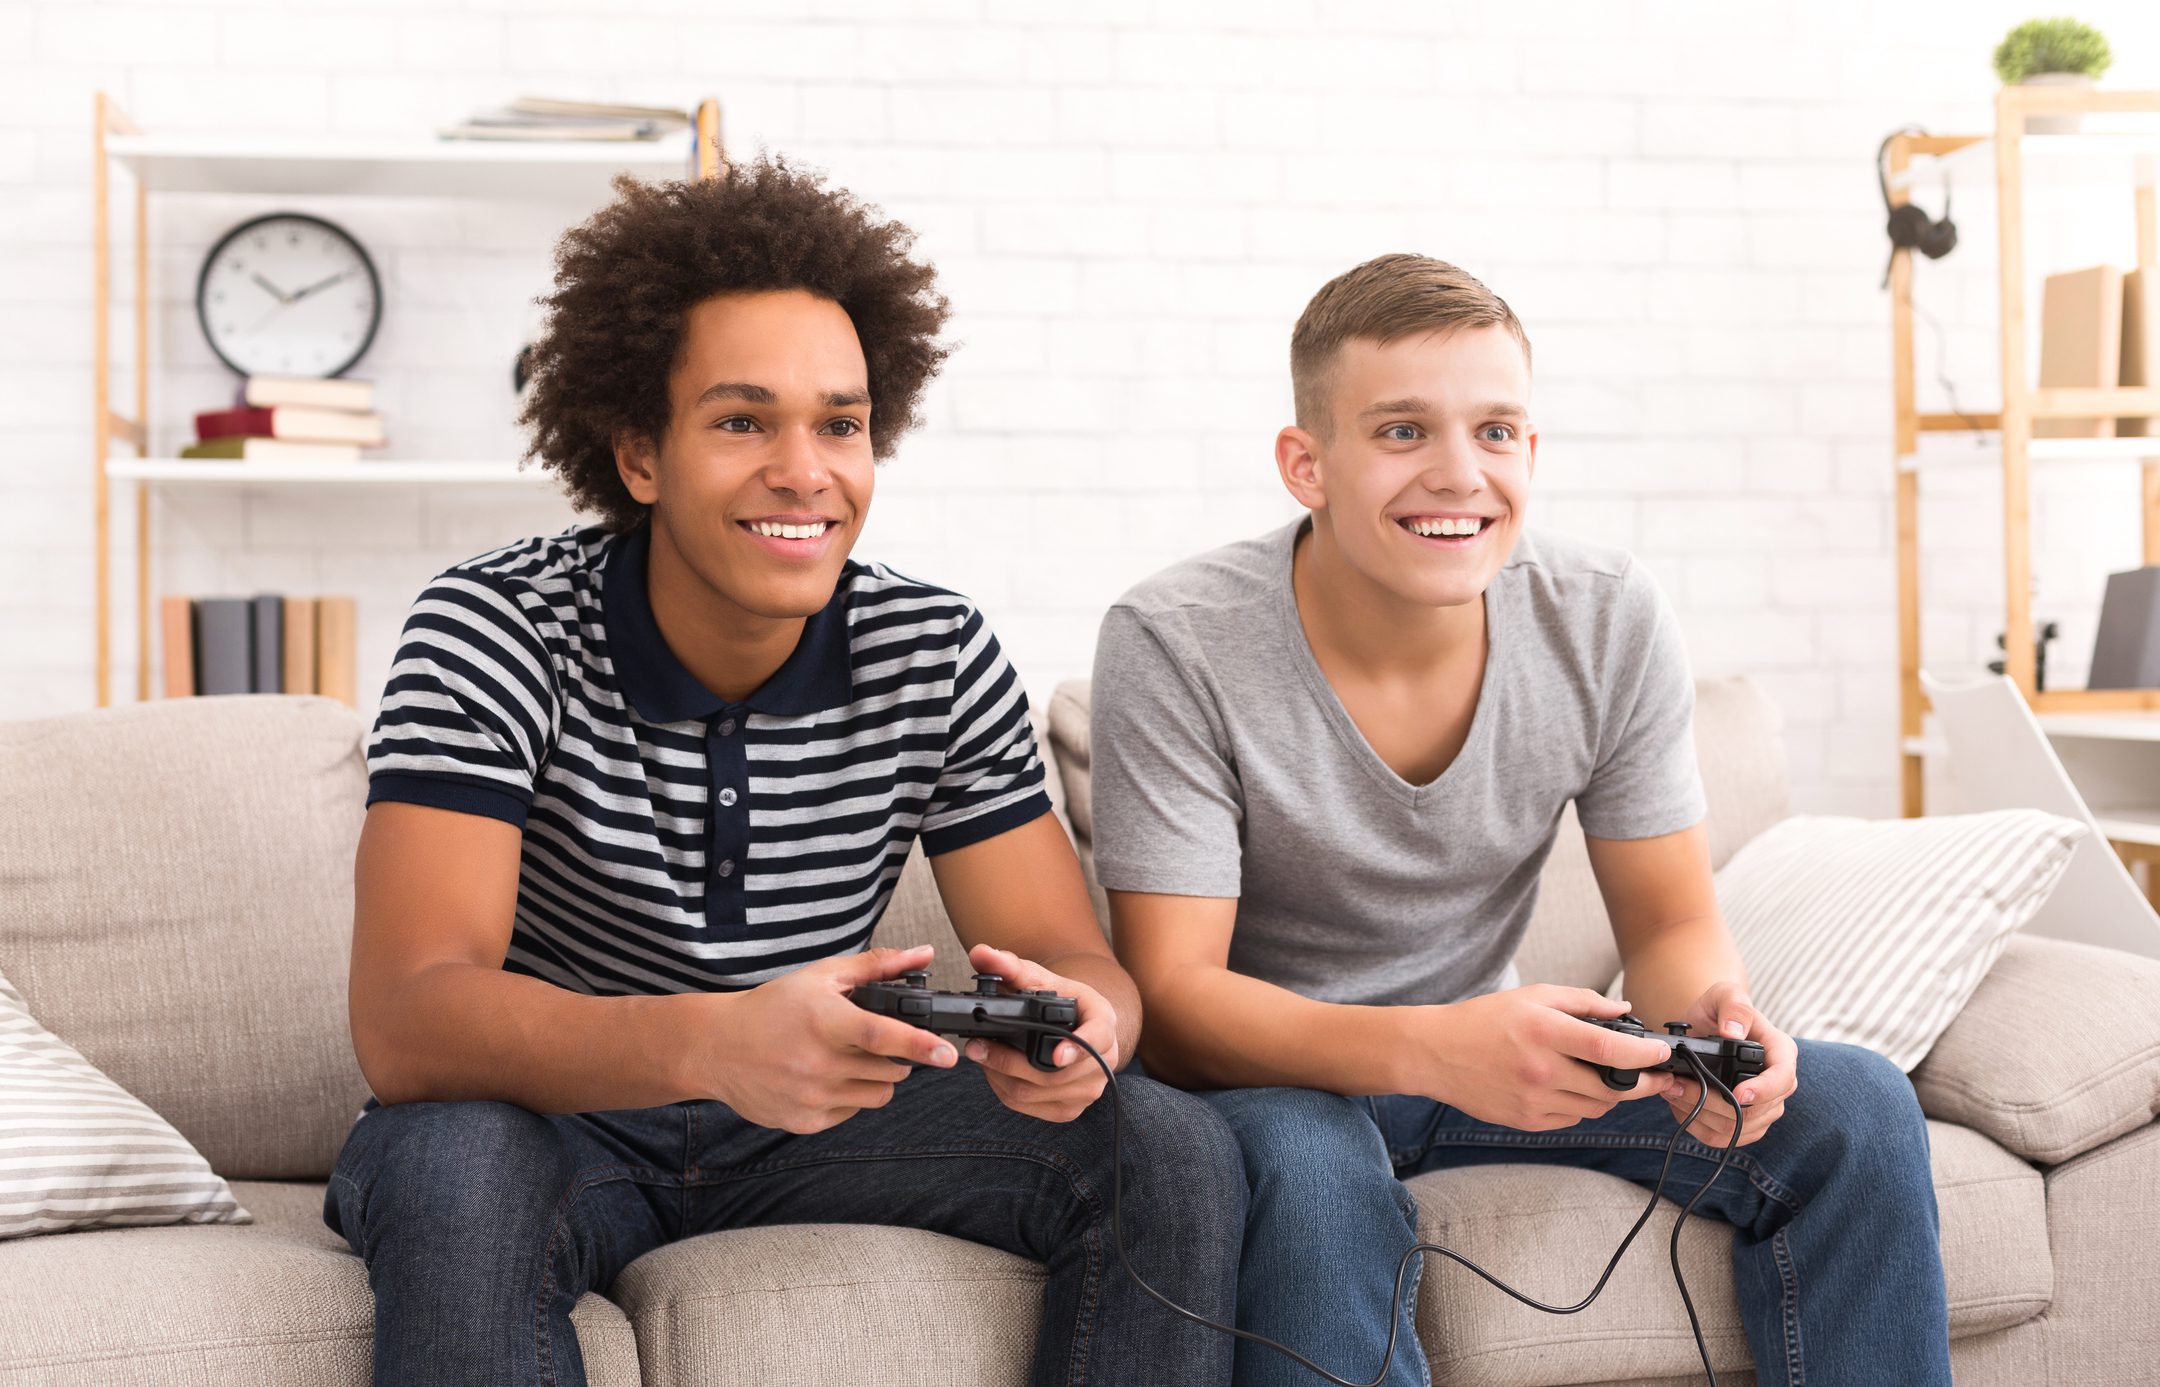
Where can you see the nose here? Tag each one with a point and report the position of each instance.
(1455, 466)
(795, 465)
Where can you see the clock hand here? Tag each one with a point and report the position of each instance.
(320, 284)
(276, 293)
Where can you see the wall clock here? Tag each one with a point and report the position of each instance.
(288, 295)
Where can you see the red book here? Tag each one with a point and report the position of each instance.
(291, 422)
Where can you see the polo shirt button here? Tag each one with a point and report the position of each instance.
(727, 727)
(727, 867)
(727, 797)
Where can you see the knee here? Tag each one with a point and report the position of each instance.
(1178, 1146)
(1854, 1104)
(459, 1171)
(1308, 1147)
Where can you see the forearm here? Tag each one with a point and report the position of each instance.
(1105, 975)
(463, 1031)
(1213, 1028)
(1668, 970)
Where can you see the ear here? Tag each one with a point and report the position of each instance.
(636, 462)
(1297, 458)
(1530, 455)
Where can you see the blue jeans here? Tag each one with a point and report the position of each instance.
(482, 1223)
(1837, 1262)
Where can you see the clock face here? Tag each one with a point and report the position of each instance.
(288, 295)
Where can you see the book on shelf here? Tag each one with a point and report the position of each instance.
(2140, 344)
(267, 643)
(2081, 318)
(546, 118)
(318, 392)
(271, 450)
(296, 423)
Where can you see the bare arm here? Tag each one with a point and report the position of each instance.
(435, 1017)
(1209, 1027)
(1682, 965)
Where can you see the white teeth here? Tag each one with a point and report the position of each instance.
(1466, 525)
(775, 530)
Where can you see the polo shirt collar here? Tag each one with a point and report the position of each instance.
(818, 674)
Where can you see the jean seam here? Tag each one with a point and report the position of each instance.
(1789, 1284)
(589, 1178)
(1767, 1183)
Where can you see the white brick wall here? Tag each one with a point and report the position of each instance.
(1130, 202)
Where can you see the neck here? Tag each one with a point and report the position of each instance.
(727, 648)
(1358, 623)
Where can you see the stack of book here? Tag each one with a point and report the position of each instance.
(543, 118)
(268, 643)
(291, 419)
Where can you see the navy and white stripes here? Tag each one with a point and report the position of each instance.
(674, 841)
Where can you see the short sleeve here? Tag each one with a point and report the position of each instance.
(1646, 782)
(1168, 810)
(470, 710)
(992, 779)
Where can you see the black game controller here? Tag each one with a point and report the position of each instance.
(986, 1012)
(1729, 1061)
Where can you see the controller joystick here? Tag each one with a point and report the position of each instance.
(987, 1013)
(1729, 1061)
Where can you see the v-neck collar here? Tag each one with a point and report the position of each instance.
(1331, 704)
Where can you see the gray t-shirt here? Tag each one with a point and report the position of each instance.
(1224, 765)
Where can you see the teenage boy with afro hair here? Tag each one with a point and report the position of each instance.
(638, 795)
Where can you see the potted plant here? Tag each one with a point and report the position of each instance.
(2052, 52)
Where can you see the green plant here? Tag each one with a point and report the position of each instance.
(2051, 45)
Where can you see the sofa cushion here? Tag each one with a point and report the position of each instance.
(176, 900)
(2056, 1053)
(78, 1151)
(1549, 1230)
(824, 1303)
(280, 1302)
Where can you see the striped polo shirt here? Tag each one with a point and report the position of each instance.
(674, 841)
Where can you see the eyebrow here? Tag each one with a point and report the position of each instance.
(763, 395)
(1414, 405)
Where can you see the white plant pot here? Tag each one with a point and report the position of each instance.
(2055, 125)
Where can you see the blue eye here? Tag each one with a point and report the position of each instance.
(1506, 432)
(1401, 433)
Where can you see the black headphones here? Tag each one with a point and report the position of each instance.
(1910, 227)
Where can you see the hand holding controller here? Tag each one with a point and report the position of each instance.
(1729, 1061)
(986, 1012)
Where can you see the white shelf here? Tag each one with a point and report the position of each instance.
(302, 167)
(1939, 451)
(2113, 148)
(2129, 825)
(2109, 727)
(367, 471)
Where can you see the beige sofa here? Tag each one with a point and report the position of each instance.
(175, 899)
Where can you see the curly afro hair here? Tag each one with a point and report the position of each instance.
(626, 277)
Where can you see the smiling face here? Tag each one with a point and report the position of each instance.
(763, 479)
(1422, 479)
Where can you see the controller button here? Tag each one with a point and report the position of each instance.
(914, 979)
(986, 984)
(1677, 1027)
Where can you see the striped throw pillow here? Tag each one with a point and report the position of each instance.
(1875, 932)
(79, 1151)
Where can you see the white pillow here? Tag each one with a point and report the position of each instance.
(1876, 931)
(79, 1151)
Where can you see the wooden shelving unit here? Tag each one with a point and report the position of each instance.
(2125, 156)
(286, 166)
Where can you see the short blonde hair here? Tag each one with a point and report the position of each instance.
(1384, 299)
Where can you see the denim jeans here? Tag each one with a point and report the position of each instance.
(482, 1223)
(1837, 1260)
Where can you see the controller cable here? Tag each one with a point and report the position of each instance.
(1707, 1081)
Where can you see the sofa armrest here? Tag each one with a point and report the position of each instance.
(2057, 1052)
